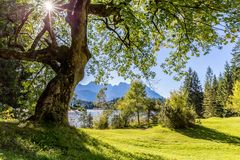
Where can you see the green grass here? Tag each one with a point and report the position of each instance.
(214, 139)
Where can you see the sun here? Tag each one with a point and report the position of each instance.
(49, 6)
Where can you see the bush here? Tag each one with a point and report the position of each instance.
(176, 114)
(117, 121)
(86, 119)
(103, 121)
(177, 117)
(6, 112)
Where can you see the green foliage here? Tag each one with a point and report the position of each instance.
(145, 27)
(127, 40)
(133, 102)
(234, 105)
(218, 110)
(152, 107)
(117, 121)
(176, 113)
(39, 76)
(11, 78)
(131, 38)
(85, 119)
(236, 61)
(208, 100)
(22, 83)
(224, 91)
(193, 91)
(6, 112)
(101, 101)
(126, 111)
(102, 123)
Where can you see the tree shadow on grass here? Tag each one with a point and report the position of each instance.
(44, 143)
(61, 143)
(201, 132)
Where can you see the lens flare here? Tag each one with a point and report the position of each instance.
(49, 6)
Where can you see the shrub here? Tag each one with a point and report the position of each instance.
(177, 117)
(7, 112)
(102, 123)
(86, 119)
(176, 114)
(117, 121)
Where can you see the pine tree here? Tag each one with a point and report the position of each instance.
(228, 79)
(193, 91)
(235, 98)
(209, 109)
(214, 96)
(225, 88)
(219, 101)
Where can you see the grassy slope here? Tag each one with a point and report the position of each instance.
(214, 139)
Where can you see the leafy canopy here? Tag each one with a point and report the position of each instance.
(126, 36)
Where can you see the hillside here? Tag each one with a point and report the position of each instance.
(88, 92)
(214, 139)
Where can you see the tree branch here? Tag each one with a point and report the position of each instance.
(43, 56)
(19, 28)
(103, 10)
(37, 39)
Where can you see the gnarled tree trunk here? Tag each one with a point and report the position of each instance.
(53, 104)
(67, 62)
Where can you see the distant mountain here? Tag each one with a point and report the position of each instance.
(89, 92)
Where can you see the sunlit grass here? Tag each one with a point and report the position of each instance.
(214, 139)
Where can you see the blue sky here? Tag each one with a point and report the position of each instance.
(164, 84)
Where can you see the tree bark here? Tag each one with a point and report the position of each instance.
(53, 104)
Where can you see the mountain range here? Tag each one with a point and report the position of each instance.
(89, 92)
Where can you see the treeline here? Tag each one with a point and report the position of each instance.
(220, 96)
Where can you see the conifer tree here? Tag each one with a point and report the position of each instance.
(219, 101)
(209, 109)
(228, 79)
(225, 87)
(193, 91)
(235, 98)
(214, 96)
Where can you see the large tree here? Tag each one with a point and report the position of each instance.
(136, 96)
(121, 35)
(101, 99)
